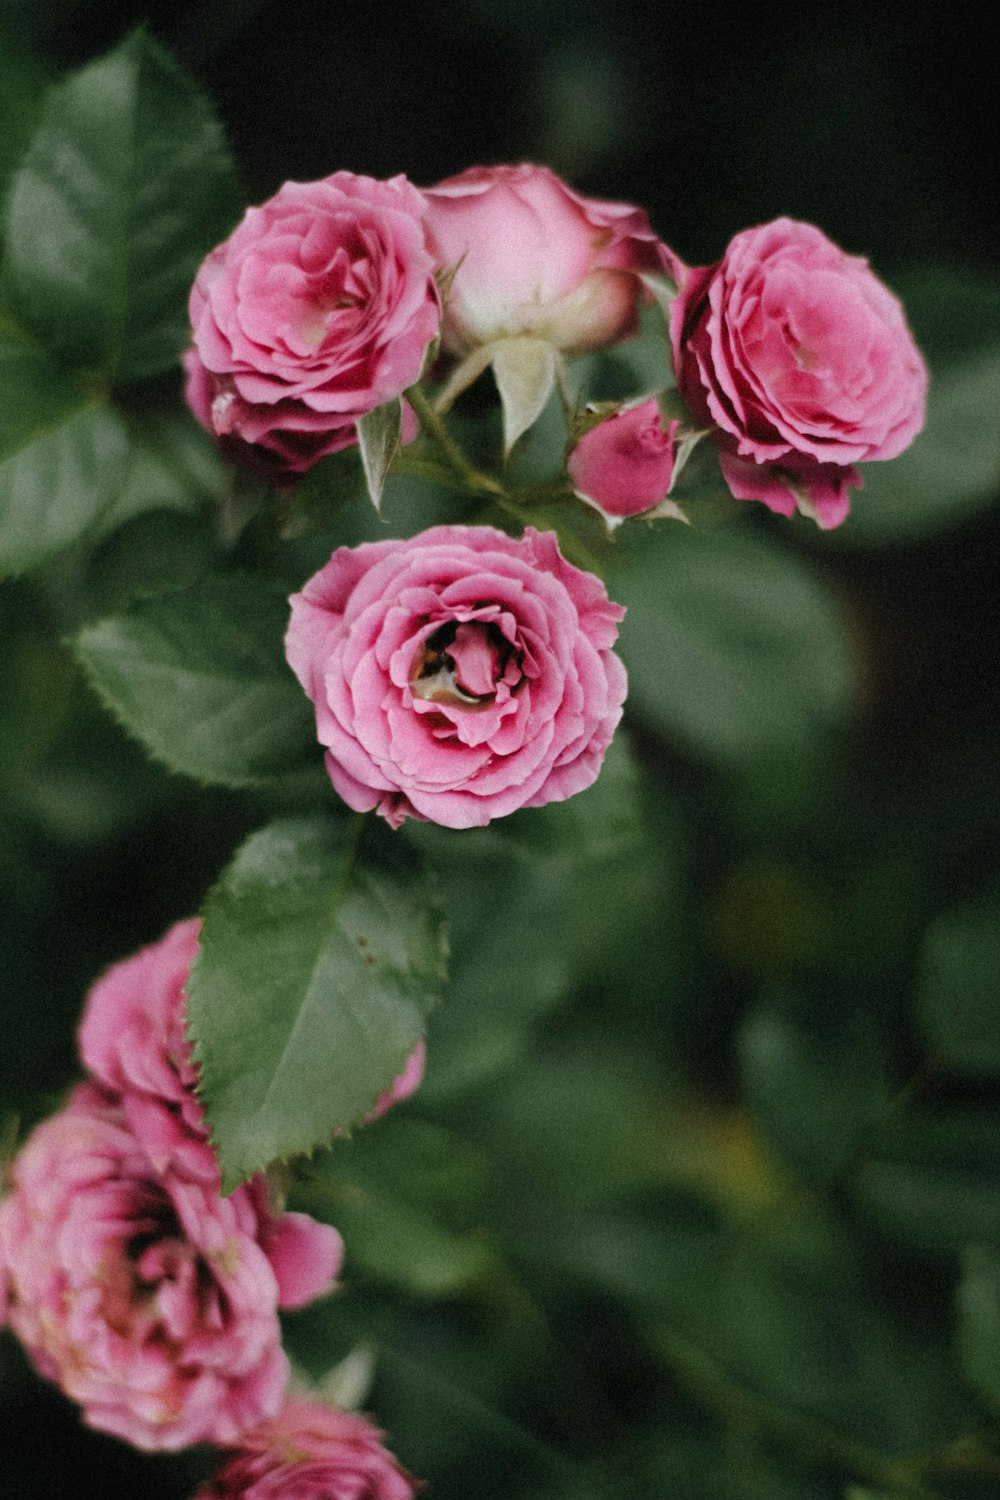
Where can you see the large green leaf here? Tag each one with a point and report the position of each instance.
(957, 993)
(315, 975)
(733, 647)
(127, 184)
(200, 677)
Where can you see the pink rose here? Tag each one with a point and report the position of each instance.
(147, 1296)
(459, 675)
(311, 1452)
(624, 465)
(803, 362)
(132, 1037)
(318, 308)
(537, 259)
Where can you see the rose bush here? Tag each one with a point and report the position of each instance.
(535, 258)
(318, 308)
(624, 465)
(147, 1296)
(802, 361)
(311, 1452)
(459, 675)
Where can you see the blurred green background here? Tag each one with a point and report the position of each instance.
(786, 988)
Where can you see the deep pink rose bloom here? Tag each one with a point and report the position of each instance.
(537, 259)
(459, 675)
(624, 465)
(318, 308)
(803, 362)
(147, 1296)
(311, 1452)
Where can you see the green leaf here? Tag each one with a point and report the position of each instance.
(787, 1326)
(63, 459)
(733, 647)
(407, 1198)
(979, 1319)
(199, 676)
(315, 975)
(957, 995)
(378, 438)
(952, 468)
(815, 1074)
(932, 1179)
(126, 186)
(596, 866)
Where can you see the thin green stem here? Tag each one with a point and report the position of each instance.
(435, 426)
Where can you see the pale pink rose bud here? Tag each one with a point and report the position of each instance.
(318, 308)
(149, 1298)
(459, 675)
(624, 465)
(536, 259)
(311, 1452)
(802, 361)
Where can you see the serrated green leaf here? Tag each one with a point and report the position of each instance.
(733, 647)
(957, 992)
(315, 975)
(378, 438)
(126, 185)
(199, 676)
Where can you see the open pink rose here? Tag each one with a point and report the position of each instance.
(803, 362)
(459, 675)
(311, 1452)
(624, 465)
(147, 1296)
(536, 259)
(318, 308)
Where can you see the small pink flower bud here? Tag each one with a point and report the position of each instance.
(624, 465)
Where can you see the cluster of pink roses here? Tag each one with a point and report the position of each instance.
(463, 674)
(328, 301)
(132, 1282)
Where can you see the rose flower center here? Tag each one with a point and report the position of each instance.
(465, 664)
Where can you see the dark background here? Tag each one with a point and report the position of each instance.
(875, 127)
